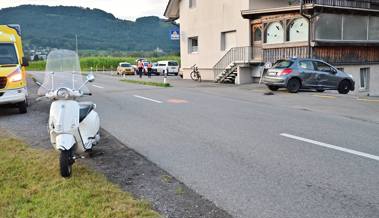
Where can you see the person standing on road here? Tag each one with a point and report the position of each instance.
(149, 69)
(140, 68)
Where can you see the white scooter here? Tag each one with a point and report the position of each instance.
(73, 126)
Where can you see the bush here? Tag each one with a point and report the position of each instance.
(100, 63)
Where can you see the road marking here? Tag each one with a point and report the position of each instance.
(148, 99)
(325, 96)
(100, 87)
(177, 101)
(358, 153)
(367, 100)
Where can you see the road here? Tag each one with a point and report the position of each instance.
(303, 155)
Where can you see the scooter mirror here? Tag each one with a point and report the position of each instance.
(90, 77)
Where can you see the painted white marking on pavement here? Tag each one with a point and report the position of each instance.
(358, 153)
(148, 99)
(100, 87)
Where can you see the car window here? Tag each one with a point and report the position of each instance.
(320, 66)
(283, 64)
(126, 65)
(306, 65)
(172, 63)
(162, 65)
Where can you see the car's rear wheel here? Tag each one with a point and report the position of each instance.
(293, 85)
(344, 87)
(273, 88)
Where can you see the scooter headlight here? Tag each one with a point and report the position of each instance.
(63, 93)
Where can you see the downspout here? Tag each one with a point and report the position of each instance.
(309, 28)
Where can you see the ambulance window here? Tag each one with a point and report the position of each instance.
(8, 54)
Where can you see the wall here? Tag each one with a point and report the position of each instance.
(374, 78)
(207, 21)
(261, 4)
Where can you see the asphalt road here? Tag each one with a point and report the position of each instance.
(303, 155)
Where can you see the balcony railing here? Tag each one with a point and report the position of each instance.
(367, 4)
(274, 54)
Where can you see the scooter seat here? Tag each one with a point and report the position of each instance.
(85, 109)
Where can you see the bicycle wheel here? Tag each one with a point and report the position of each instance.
(194, 76)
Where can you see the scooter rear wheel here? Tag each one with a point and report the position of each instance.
(65, 162)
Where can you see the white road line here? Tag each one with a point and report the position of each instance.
(358, 153)
(100, 87)
(149, 99)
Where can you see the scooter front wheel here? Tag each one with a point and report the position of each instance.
(65, 162)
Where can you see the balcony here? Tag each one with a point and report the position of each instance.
(364, 4)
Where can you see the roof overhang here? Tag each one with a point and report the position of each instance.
(172, 11)
(254, 13)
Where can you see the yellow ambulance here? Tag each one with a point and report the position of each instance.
(13, 89)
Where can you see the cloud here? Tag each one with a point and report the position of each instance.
(123, 9)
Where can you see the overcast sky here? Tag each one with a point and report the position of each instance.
(123, 9)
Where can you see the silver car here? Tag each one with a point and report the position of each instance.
(295, 74)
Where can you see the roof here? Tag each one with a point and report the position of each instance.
(172, 11)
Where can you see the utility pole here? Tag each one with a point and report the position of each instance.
(76, 44)
(309, 19)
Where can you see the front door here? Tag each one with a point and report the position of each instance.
(326, 75)
(257, 39)
(308, 73)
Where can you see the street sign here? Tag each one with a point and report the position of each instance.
(175, 34)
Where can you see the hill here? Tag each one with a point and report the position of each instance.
(56, 27)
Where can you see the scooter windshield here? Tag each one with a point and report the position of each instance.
(62, 70)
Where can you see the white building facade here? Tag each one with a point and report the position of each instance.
(237, 37)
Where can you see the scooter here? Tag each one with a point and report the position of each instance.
(73, 126)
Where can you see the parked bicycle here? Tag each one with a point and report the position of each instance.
(195, 74)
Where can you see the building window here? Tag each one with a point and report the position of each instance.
(257, 35)
(329, 26)
(298, 30)
(192, 3)
(373, 28)
(193, 45)
(355, 27)
(346, 27)
(228, 40)
(275, 33)
(364, 79)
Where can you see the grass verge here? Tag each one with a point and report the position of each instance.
(147, 83)
(30, 186)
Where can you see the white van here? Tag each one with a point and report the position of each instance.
(171, 67)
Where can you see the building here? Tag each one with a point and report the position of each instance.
(230, 41)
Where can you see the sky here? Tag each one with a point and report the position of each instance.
(123, 9)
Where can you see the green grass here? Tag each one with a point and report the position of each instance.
(30, 186)
(147, 83)
(100, 63)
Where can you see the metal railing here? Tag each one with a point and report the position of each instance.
(233, 56)
(368, 4)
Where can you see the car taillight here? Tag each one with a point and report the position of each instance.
(286, 72)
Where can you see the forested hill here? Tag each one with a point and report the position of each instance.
(55, 27)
